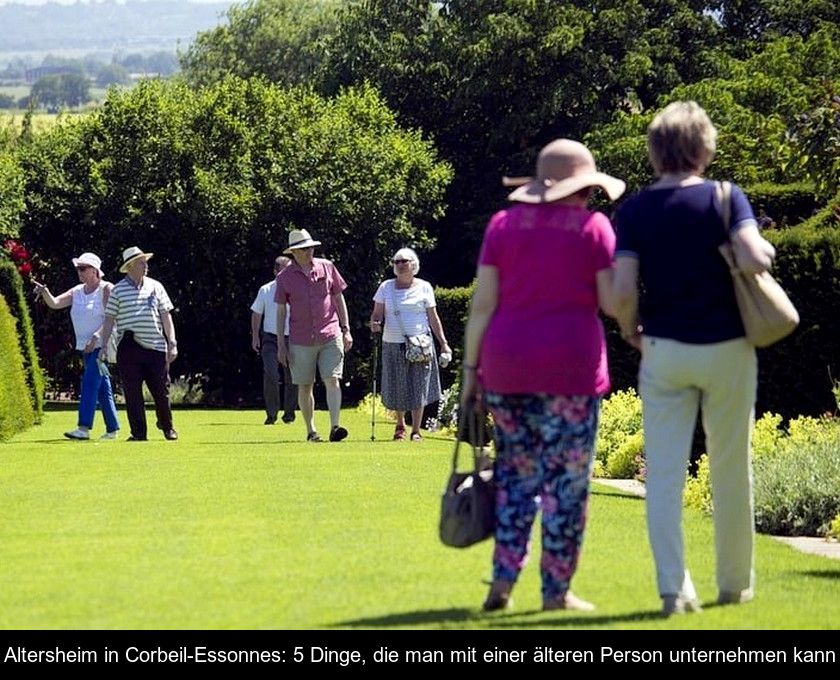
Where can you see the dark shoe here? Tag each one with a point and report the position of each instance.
(132, 438)
(679, 604)
(288, 418)
(314, 437)
(171, 435)
(270, 420)
(338, 433)
(415, 437)
(498, 597)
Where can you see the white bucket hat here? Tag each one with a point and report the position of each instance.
(564, 167)
(132, 254)
(89, 259)
(298, 239)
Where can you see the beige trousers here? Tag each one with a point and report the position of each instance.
(675, 379)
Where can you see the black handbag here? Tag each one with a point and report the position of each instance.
(468, 505)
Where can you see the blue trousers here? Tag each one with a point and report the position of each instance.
(96, 388)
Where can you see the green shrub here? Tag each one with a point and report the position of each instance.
(834, 528)
(453, 307)
(784, 204)
(827, 217)
(796, 476)
(766, 435)
(16, 412)
(621, 417)
(798, 492)
(698, 489)
(625, 460)
(11, 289)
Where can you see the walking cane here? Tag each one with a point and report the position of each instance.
(373, 380)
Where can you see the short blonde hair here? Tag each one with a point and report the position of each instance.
(681, 138)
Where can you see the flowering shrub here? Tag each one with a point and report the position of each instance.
(19, 255)
(624, 461)
(834, 528)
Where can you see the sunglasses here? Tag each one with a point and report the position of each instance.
(402, 261)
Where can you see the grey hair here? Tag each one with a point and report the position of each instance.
(407, 254)
(681, 138)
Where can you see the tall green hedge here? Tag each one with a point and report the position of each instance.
(16, 412)
(11, 289)
(785, 204)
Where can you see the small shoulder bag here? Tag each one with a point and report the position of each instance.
(419, 349)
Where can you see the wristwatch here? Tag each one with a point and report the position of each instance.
(344, 329)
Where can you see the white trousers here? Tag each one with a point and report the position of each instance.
(675, 379)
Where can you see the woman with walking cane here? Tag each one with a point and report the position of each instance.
(410, 377)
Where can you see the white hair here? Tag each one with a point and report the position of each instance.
(407, 254)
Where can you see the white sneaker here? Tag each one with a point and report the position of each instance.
(78, 433)
(110, 435)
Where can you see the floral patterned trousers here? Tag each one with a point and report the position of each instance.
(544, 454)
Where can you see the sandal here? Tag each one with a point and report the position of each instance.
(415, 437)
(399, 433)
(314, 437)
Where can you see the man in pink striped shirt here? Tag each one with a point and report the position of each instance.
(319, 330)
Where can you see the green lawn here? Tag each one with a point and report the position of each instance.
(239, 525)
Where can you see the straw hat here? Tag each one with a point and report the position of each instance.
(564, 167)
(298, 239)
(132, 254)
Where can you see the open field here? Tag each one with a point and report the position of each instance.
(240, 525)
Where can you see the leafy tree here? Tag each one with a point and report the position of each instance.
(57, 91)
(212, 181)
(279, 39)
(112, 74)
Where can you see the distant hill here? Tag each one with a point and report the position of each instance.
(108, 25)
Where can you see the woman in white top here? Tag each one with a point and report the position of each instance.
(407, 306)
(87, 311)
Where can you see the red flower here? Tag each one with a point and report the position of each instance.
(25, 269)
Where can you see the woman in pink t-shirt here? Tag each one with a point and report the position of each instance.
(535, 345)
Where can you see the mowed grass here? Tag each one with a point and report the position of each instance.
(241, 526)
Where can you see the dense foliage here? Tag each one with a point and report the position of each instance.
(16, 412)
(12, 292)
(211, 181)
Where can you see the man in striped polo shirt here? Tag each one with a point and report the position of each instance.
(140, 308)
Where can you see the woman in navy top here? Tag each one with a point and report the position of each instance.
(694, 353)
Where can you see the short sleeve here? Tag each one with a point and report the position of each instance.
(112, 309)
(603, 241)
(337, 283)
(627, 234)
(490, 249)
(430, 295)
(258, 305)
(280, 295)
(164, 303)
(379, 295)
(742, 212)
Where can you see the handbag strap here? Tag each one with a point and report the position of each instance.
(397, 308)
(723, 190)
(474, 436)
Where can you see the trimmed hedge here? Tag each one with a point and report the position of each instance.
(11, 289)
(785, 204)
(453, 306)
(16, 412)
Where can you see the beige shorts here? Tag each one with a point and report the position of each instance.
(329, 358)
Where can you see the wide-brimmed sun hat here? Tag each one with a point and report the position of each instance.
(90, 260)
(131, 255)
(564, 167)
(298, 239)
